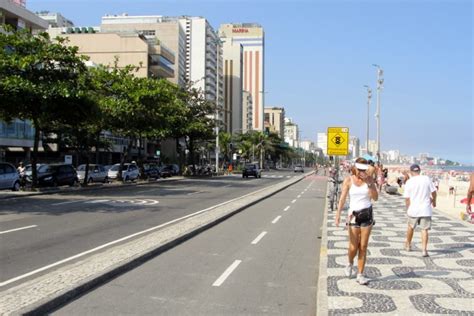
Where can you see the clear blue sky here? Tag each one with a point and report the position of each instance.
(319, 55)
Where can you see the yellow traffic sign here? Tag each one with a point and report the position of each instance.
(338, 141)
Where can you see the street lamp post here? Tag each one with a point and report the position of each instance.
(369, 96)
(377, 114)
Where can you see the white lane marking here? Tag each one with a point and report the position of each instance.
(16, 229)
(286, 208)
(259, 237)
(124, 238)
(195, 192)
(276, 219)
(68, 202)
(298, 196)
(98, 201)
(226, 273)
(293, 201)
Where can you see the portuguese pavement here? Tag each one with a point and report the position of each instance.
(402, 283)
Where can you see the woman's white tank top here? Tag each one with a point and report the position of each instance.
(359, 197)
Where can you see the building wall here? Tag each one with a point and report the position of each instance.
(247, 112)
(17, 16)
(251, 37)
(232, 56)
(168, 31)
(276, 120)
(323, 142)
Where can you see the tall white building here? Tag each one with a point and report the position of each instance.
(252, 38)
(322, 142)
(204, 59)
(291, 133)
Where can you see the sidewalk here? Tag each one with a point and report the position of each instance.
(403, 283)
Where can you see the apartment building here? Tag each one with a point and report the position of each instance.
(150, 57)
(16, 137)
(233, 111)
(167, 31)
(252, 38)
(275, 120)
(55, 19)
(247, 112)
(322, 142)
(292, 133)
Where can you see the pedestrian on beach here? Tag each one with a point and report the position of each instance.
(420, 198)
(361, 190)
(470, 194)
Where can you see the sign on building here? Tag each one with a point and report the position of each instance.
(338, 141)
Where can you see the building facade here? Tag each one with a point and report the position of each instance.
(247, 112)
(55, 19)
(232, 54)
(16, 137)
(274, 120)
(165, 30)
(322, 142)
(291, 133)
(252, 38)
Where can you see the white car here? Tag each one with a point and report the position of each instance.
(299, 168)
(130, 172)
(97, 173)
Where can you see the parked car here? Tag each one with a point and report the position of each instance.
(166, 171)
(55, 175)
(151, 171)
(9, 177)
(174, 169)
(130, 172)
(97, 173)
(251, 169)
(298, 168)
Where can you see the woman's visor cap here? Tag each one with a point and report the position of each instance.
(361, 166)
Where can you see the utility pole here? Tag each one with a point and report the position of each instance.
(377, 114)
(369, 96)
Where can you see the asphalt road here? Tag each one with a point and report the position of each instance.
(264, 260)
(39, 233)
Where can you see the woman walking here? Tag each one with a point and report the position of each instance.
(361, 190)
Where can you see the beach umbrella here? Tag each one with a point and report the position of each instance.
(464, 201)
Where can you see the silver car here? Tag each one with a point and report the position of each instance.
(9, 177)
(97, 173)
(130, 172)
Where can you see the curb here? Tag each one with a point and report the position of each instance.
(42, 295)
(322, 299)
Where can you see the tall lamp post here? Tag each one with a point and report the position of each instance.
(369, 96)
(377, 114)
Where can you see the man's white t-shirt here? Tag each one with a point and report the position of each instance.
(419, 189)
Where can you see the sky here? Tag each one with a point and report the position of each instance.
(319, 56)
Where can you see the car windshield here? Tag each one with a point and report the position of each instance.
(45, 168)
(250, 166)
(82, 168)
(115, 168)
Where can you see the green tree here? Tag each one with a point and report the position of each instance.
(40, 82)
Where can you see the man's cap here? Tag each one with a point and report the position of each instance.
(415, 168)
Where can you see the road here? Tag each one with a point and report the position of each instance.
(40, 233)
(262, 260)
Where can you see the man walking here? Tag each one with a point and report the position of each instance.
(420, 196)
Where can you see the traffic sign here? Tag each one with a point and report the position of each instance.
(338, 141)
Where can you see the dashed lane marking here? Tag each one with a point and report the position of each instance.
(226, 273)
(17, 229)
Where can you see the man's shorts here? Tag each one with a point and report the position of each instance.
(423, 222)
